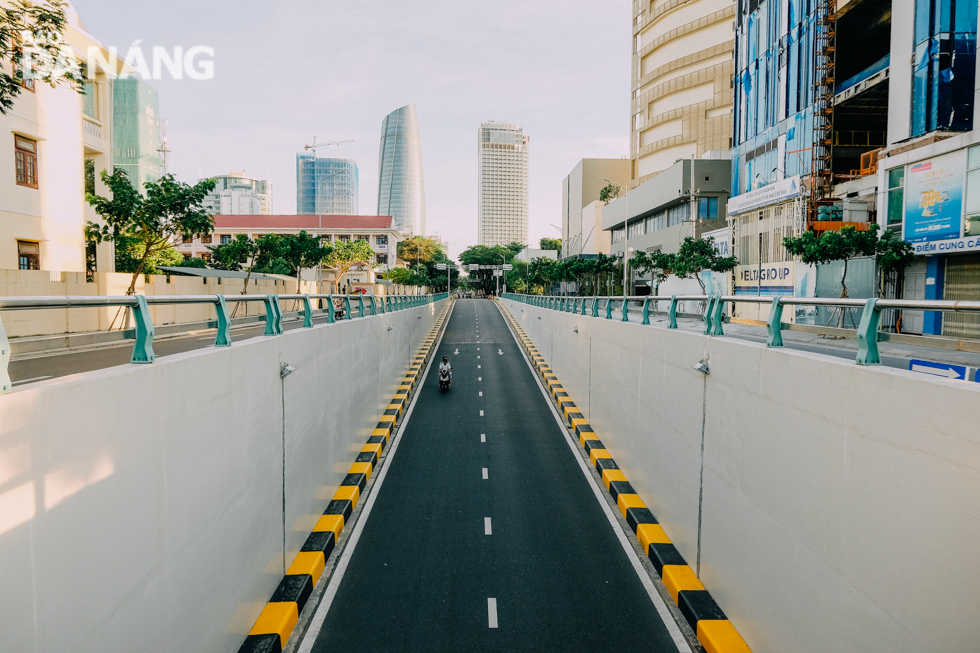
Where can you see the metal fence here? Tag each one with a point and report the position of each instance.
(868, 333)
(338, 307)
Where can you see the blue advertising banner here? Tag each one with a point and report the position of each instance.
(934, 198)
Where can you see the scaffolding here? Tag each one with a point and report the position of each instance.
(825, 46)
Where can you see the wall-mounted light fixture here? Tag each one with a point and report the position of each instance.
(285, 370)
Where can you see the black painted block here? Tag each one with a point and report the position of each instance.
(664, 554)
(340, 507)
(295, 588)
(261, 644)
(696, 605)
(360, 480)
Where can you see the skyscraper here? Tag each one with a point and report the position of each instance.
(236, 194)
(136, 130)
(401, 190)
(325, 186)
(503, 184)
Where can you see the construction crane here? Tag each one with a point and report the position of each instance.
(315, 144)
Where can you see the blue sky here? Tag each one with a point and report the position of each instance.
(285, 72)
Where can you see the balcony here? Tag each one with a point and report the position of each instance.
(92, 131)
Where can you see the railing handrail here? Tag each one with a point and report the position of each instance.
(867, 331)
(140, 306)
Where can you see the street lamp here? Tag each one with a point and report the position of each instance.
(626, 235)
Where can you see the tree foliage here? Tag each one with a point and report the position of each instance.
(551, 244)
(417, 249)
(129, 255)
(348, 254)
(193, 262)
(609, 193)
(42, 56)
(695, 256)
(491, 256)
(170, 212)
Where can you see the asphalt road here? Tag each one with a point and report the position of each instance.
(427, 563)
(63, 363)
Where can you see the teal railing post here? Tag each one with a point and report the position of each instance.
(775, 324)
(381, 304)
(273, 322)
(143, 349)
(5, 384)
(223, 337)
(646, 310)
(374, 308)
(360, 306)
(672, 313)
(707, 314)
(717, 328)
(585, 300)
(867, 335)
(595, 306)
(308, 312)
(331, 309)
(348, 312)
(575, 306)
(609, 308)
(626, 309)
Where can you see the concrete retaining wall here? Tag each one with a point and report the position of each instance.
(141, 507)
(841, 504)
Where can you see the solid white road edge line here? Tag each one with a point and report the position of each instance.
(658, 602)
(313, 631)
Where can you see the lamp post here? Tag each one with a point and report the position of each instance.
(626, 235)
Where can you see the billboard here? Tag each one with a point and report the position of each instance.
(934, 198)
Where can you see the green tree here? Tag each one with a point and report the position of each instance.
(609, 193)
(842, 245)
(694, 256)
(194, 262)
(417, 249)
(347, 254)
(303, 251)
(399, 276)
(130, 253)
(170, 212)
(551, 244)
(487, 256)
(49, 56)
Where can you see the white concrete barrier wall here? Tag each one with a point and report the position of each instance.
(141, 507)
(841, 504)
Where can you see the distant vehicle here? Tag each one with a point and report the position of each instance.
(444, 380)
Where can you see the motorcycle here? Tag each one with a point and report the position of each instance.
(445, 378)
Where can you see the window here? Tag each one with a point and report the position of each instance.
(207, 240)
(366, 238)
(708, 208)
(28, 255)
(187, 257)
(344, 238)
(382, 259)
(187, 240)
(381, 240)
(25, 153)
(972, 225)
(206, 256)
(225, 239)
(19, 74)
(896, 195)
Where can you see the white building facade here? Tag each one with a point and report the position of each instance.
(238, 194)
(502, 211)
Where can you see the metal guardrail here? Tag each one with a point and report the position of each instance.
(140, 307)
(867, 331)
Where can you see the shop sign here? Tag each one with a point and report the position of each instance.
(954, 246)
(769, 279)
(784, 189)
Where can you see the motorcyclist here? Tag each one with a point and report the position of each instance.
(444, 366)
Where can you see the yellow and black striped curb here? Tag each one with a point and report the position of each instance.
(715, 632)
(275, 625)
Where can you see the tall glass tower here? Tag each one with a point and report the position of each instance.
(136, 130)
(325, 186)
(401, 191)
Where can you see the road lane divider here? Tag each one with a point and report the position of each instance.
(713, 628)
(279, 617)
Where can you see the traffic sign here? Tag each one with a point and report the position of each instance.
(474, 266)
(440, 266)
(497, 273)
(945, 370)
(508, 266)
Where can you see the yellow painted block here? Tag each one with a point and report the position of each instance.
(405, 388)
(678, 578)
(627, 501)
(720, 636)
(608, 475)
(579, 421)
(595, 454)
(347, 493)
(333, 523)
(361, 468)
(564, 400)
(401, 396)
(376, 448)
(397, 407)
(278, 618)
(651, 534)
(307, 562)
(388, 418)
(385, 432)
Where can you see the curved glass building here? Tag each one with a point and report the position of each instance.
(401, 191)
